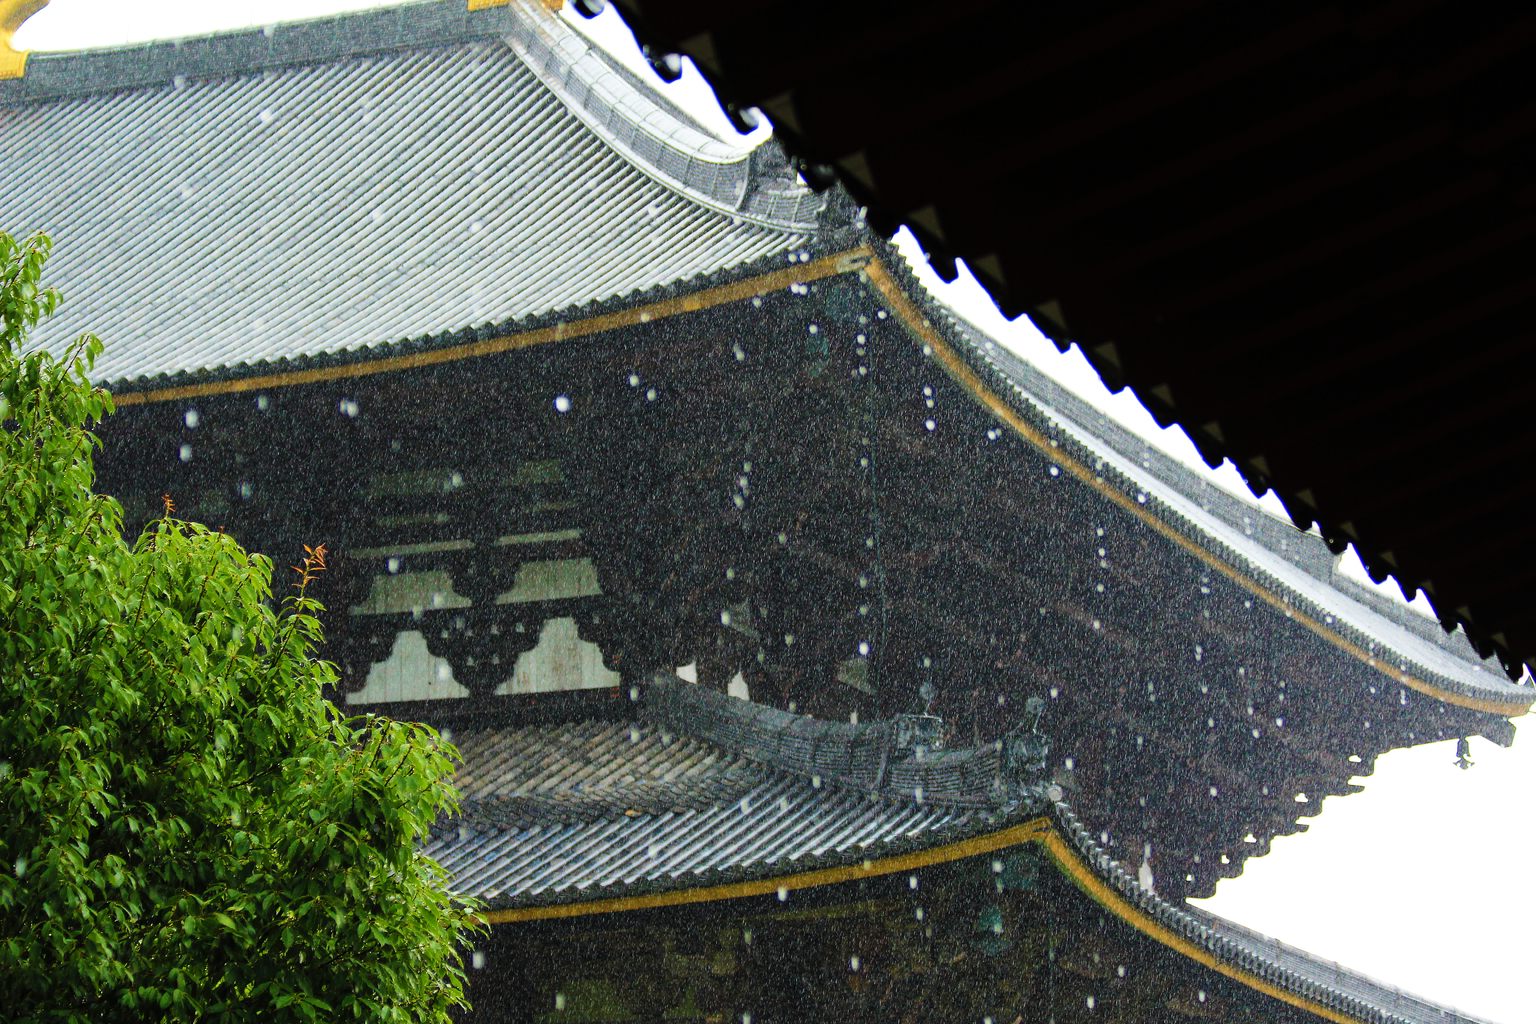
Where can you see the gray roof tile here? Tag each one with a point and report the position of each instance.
(360, 199)
(530, 837)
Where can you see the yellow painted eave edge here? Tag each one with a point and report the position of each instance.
(962, 373)
(1026, 832)
(800, 273)
(1037, 830)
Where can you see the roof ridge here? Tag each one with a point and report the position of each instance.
(416, 24)
(646, 128)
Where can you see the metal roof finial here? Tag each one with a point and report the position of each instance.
(13, 14)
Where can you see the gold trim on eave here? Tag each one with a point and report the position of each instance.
(13, 14)
(800, 273)
(962, 373)
(787, 883)
(1038, 830)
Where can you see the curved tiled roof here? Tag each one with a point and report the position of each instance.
(609, 814)
(722, 821)
(341, 185)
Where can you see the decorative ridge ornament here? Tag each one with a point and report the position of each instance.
(13, 14)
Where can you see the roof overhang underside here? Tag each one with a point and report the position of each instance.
(1281, 568)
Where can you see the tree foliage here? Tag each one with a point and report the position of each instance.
(187, 829)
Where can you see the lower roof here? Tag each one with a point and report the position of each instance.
(597, 817)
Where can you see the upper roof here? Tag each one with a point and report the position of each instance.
(704, 793)
(346, 183)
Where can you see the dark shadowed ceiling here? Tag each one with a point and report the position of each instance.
(1305, 232)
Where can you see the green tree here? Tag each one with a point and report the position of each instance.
(187, 829)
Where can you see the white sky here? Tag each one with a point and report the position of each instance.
(1417, 881)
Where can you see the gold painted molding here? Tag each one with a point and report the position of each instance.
(1024, 833)
(1037, 830)
(13, 14)
(960, 371)
(800, 273)
(485, 5)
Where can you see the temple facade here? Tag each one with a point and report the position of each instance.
(810, 654)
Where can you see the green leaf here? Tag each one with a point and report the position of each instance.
(143, 689)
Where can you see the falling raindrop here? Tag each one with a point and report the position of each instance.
(186, 453)
(562, 404)
(477, 960)
(393, 565)
(783, 894)
(192, 418)
(559, 1000)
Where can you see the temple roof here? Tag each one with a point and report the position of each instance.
(556, 814)
(341, 185)
(351, 188)
(602, 816)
